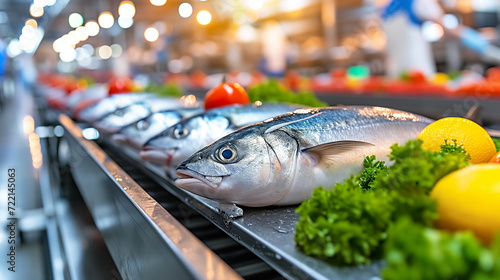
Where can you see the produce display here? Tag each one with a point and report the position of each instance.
(281, 160)
(226, 94)
(169, 89)
(119, 85)
(272, 91)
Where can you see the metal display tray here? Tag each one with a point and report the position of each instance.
(266, 231)
(143, 238)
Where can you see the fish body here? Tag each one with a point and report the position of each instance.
(181, 140)
(138, 133)
(136, 111)
(110, 104)
(281, 160)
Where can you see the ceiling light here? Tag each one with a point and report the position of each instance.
(67, 54)
(13, 48)
(116, 50)
(31, 22)
(151, 34)
(81, 32)
(106, 20)
(36, 11)
(41, 3)
(92, 28)
(28, 31)
(126, 9)
(75, 20)
(204, 17)
(185, 10)
(74, 39)
(125, 22)
(104, 52)
(158, 2)
(58, 45)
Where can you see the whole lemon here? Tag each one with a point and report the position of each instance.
(469, 199)
(475, 140)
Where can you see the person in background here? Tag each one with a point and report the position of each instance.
(407, 49)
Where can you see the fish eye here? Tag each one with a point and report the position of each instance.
(226, 154)
(142, 125)
(119, 112)
(180, 132)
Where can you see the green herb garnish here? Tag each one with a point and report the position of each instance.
(414, 252)
(348, 224)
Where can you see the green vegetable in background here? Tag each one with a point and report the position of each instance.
(272, 91)
(413, 252)
(496, 141)
(348, 224)
(170, 89)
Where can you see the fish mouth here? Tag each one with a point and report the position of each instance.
(149, 148)
(158, 156)
(120, 138)
(190, 180)
(155, 156)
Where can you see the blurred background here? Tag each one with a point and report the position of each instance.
(100, 39)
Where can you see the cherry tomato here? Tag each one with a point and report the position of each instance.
(417, 77)
(226, 94)
(495, 158)
(120, 85)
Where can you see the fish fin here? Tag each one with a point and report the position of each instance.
(278, 126)
(330, 151)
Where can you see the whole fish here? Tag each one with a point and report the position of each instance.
(179, 141)
(137, 134)
(110, 104)
(281, 160)
(125, 116)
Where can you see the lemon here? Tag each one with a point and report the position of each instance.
(469, 199)
(475, 140)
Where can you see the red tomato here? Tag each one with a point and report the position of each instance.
(417, 77)
(226, 94)
(495, 158)
(120, 85)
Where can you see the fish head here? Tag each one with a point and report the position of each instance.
(245, 167)
(186, 137)
(139, 132)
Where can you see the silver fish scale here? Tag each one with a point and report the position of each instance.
(242, 115)
(344, 121)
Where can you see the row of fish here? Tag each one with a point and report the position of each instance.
(272, 154)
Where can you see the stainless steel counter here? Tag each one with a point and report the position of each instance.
(144, 240)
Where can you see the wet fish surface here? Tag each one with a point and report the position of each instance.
(281, 160)
(176, 143)
(110, 104)
(125, 116)
(137, 134)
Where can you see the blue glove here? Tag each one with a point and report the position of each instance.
(473, 40)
